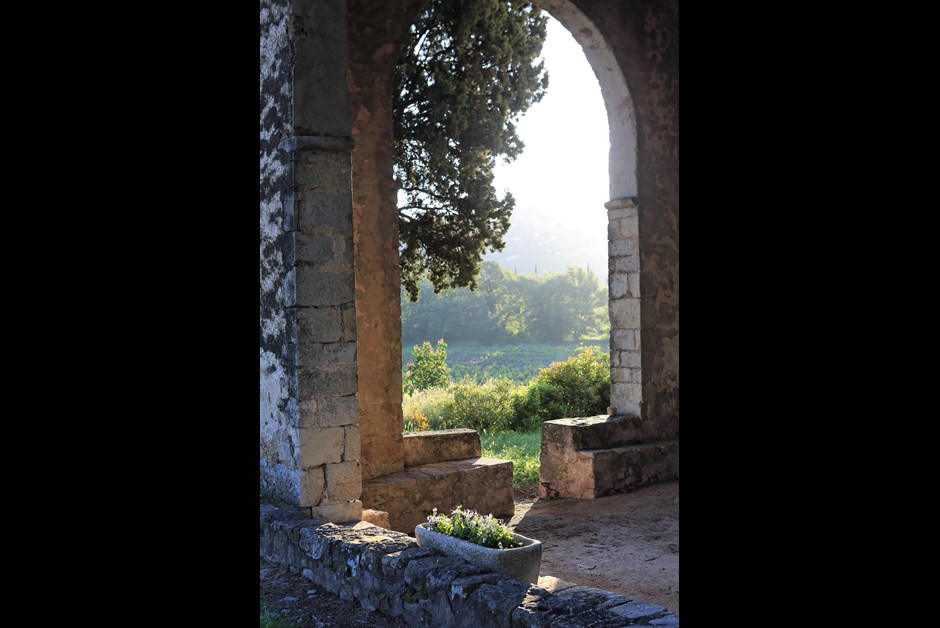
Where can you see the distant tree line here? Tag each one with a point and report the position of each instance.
(506, 307)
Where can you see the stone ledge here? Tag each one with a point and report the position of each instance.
(592, 432)
(441, 446)
(569, 471)
(387, 572)
(484, 484)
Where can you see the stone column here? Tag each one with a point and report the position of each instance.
(323, 314)
(375, 33)
(626, 392)
(318, 444)
(324, 297)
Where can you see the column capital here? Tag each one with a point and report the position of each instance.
(621, 203)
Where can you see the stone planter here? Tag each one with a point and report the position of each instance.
(519, 562)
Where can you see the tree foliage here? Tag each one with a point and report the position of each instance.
(556, 307)
(465, 73)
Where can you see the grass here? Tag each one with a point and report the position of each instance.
(520, 447)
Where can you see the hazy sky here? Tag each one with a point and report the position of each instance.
(560, 181)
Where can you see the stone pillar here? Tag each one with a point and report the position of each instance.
(324, 297)
(626, 392)
(319, 443)
(375, 33)
(323, 314)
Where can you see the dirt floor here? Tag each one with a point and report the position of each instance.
(626, 543)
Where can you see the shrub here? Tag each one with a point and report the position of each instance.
(487, 407)
(415, 420)
(435, 405)
(579, 386)
(428, 367)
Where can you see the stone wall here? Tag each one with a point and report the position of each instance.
(387, 572)
(280, 466)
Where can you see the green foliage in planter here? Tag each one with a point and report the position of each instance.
(470, 525)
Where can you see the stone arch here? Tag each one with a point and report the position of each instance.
(623, 229)
(331, 334)
(375, 36)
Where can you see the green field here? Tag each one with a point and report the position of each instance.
(519, 362)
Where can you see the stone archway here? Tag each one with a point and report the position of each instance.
(374, 42)
(623, 276)
(330, 348)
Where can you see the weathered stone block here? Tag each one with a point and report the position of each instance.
(636, 610)
(619, 374)
(338, 512)
(634, 279)
(309, 354)
(318, 208)
(314, 249)
(375, 517)
(340, 353)
(349, 322)
(337, 411)
(620, 248)
(626, 264)
(624, 313)
(343, 481)
(622, 339)
(319, 324)
(618, 285)
(339, 381)
(319, 446)
(311, 486)
(668, 619)
(626, 397)
(622, 228)
(319, 287)
(440, 446)
(630, 359)
(322, 170)
(353, 449)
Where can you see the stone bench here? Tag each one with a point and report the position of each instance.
(588, 457)
(443, 469)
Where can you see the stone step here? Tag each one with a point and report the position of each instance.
(483, 484)
(592, 473)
